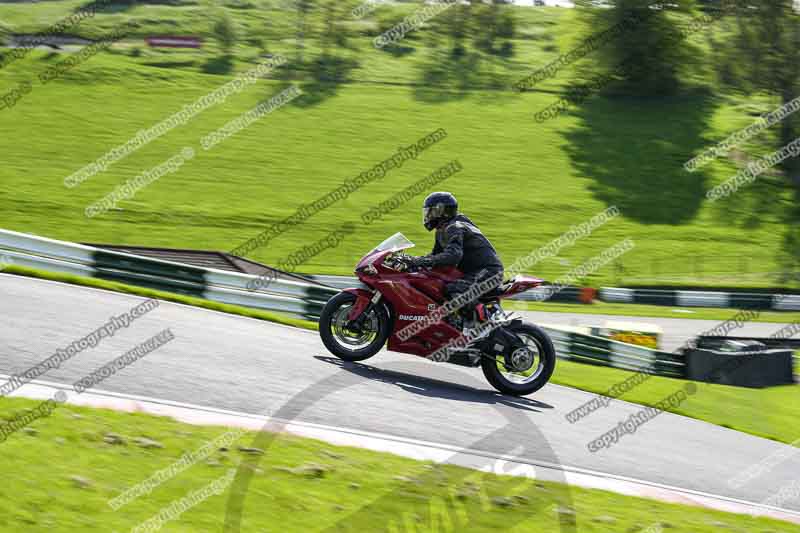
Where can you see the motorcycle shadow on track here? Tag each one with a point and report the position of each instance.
(436, 388)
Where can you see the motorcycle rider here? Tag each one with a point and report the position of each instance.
(459, 243)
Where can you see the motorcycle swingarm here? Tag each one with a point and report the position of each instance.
(473, 358)
(467, 359)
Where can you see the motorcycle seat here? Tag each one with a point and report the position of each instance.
(495, 293)
(517, 284)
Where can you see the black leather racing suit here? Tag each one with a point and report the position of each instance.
(461, 244)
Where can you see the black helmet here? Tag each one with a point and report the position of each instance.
(438, 207)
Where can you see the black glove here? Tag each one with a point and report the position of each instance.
(415, 263)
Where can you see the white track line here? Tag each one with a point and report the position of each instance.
(413, 448)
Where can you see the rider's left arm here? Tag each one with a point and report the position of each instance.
(451, 254)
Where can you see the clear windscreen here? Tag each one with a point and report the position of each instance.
(396, 242)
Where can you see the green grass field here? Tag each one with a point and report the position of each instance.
(524, 183)
(78, 459)
(768, 413)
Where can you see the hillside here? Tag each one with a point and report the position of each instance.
(523, 182)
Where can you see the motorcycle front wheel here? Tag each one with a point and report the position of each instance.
(350, 344)
(533, 365)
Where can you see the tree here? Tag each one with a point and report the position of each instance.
(303, 8)
(224, 32)
(767, 43)
(645, 36)
(761, 58)
(457, 26)
(333, 32)
(494, 28)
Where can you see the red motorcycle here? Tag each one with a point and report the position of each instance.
(408, 308)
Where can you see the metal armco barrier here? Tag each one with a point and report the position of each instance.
(678, 298)
(605, 352)
(304, 300)
(340, 282)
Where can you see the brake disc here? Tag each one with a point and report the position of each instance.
(521, 359)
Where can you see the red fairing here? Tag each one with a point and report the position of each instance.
(371, 258)
(363, 297)
(412, 297)
(521, 284)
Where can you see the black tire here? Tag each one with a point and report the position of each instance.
(548, 362)
(329, 312)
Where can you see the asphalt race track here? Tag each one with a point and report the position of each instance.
(250, 366)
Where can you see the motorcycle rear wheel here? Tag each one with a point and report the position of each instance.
(518, 383)
(347, 344)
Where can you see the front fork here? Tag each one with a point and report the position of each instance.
(361, 310)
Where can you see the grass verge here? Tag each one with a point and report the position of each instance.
(93, 455)
(770, 413)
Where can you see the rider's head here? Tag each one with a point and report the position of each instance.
(439, 207)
